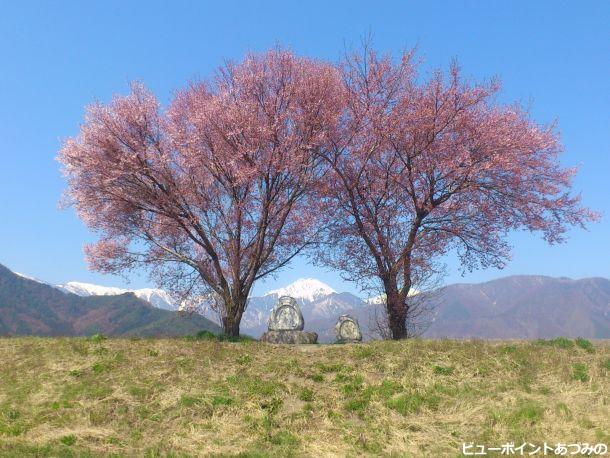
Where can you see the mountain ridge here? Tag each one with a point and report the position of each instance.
(32, 307)
(303, 288)
(516, 306)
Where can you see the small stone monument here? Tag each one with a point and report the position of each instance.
(286, 316)
(286, 324)
(347, 329)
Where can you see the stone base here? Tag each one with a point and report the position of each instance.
(290, 337)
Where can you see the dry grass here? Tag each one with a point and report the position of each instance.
(78, 397)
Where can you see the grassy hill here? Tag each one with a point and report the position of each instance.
(178, 397)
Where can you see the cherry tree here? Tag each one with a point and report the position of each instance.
(212, 193)
(424, 167)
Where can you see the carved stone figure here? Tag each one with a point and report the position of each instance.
(286, 324)
(286, 316)
(347, 329)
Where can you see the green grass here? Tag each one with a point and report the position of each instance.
(306, 395)
(97, 338)
(527, 413)
(558, 342)
(221, 400)
(579, 372)
(70, 439)
(211, 396)
(187, 400)
(410, 403)
(210, 336)
(585, 344)
(320, 378)
(443, 370)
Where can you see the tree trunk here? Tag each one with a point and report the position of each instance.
(397, 320)
(396, 309)
(230, 326)
(232, 317)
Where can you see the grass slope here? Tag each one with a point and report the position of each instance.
(177, 397)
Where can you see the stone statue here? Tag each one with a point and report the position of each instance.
(347, 329)
(286, 316)
(286, 324)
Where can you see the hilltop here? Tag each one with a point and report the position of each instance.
(173, 397)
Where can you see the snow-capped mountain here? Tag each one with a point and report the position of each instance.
(156, 297)
(308, 289)
(316, 298)
(29, 306)
(28, 277)
(380, 299)
(320, 304)
(524, 306)
(89, 289)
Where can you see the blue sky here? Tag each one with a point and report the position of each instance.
(57, 57)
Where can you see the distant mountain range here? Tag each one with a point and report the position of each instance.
(31, 307)
(525, 306)
(154, 296)
(512, 307)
